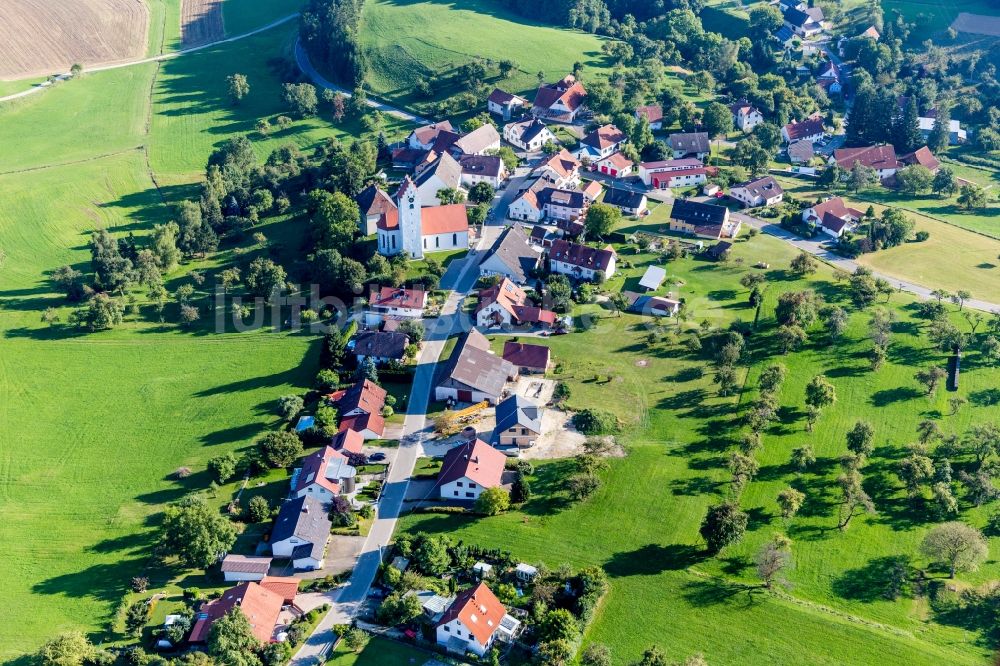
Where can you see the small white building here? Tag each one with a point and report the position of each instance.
(241, 567)
(504, 104)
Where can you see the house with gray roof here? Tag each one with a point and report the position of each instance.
(684, 144)
(444, 173)
(473, 373)
(301, 532)
(519, 422)
(511, 256)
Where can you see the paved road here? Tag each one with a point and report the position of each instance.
(158, 58)
(816, 248)
(302, 60)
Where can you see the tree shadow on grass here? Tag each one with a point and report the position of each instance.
(985, 398)
(104, 582)
(653, 559)
(882, 578)
(899, 394)
(712, 592)
(699, 485)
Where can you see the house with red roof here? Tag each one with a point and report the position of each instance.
(581, 262)
(370, 426)
(653, 113)
(665, 174)
(615, 165)
(810, 129)
(373, 202)
(561, 170)
(528, 358)
(505, 304)
(261, 603)
(880, 158)
(474, 622)
(833, 216)
(364, 397)
(922, 156)
(413, 230)
(323, 474)
(601, 143)
(348, 441)
(560, 101)
(468, 469)
(425, 137)
(395, 302)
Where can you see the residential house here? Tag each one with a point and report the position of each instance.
(394, 302)
(829, 78)
(592, 190)
(763, 191)
(505, 304)
(800, 152)
(260, 603)
(560, 170)
(833, 215)
(784, 36)
(651, 306)
(684, 144)
(745, 115)
(473, 373)
(627, 201)
(719, 251)
(468, 469)
(363, 397)
(511, 256)
(380, 346)
(615, 165)
(560, 101)
(349, 441)
(324, 475)
(673, 173)
(504, 104)
(804, 22)
(368, 426)
(243, 568)
(810, 129)
(474, 622)
(527, 358)
(880, 158)
(601, 142)
(529, 135)
(653, 278)
(479, 141)
(518, 422)
(412, 229)
(300, 532)
(482, 169)
(922, 156)
(373, 202)
(424, 138)
(581, 262)
(704, 220)
(540, 201)
(956, 134)
(444, 173)
(652, 113)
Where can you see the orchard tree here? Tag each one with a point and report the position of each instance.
(944, 183)
(237, 87)
(195, 532)
(280, 448)
(723, 524)
(930, 378)
(301, 98)
(790, 501)
(820, 392)
(861, 439)
(971, 197)
(957, 545)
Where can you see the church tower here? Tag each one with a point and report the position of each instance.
(408, 205)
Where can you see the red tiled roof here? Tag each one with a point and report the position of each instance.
(618, 161)
(653, 113)
(604, 137)
(348, 440)
(836, 206)
(580, 255)
(284, 586)
(569, 91)
(514, 300)
(314, 470)
(526, 355)
(434, 220)
(922, 156)
(479, 611)
(260, 606)
(806, 128)
(476, 461)
(362, 422)
(876, 157)
(563, 163)
(428, 133)
(396, 297)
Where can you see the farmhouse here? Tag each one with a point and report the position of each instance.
(653, 113)
(300, 532)
(380, 346)
(242, 568)
(602, 142)
(956, 134)
(506, 304)
(527, 358)
(832, 215)
(474, 622)
(560, 170)
(424, 138)
(540, 201)
(880, 158)
(468, 469)
(615, 165)
(758, 192)
(324, 475)
(482, 169)
(261, 604)
(511, 256)
(689, 143)
(504, 104)
(810, 129)
(652, 306)
(629, 202)
(704, 220)
(519, 422)
(673, 173)
(373, 202)
(396, 302)
(477, 142)
(560, 101)
(443, 173)
(581, 262)
(472, 373)
(745, 115)
(529, 135)
(413, 230)
(924, 157)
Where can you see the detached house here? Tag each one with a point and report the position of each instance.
(395, 302)
(469, 469)
(360, 409)
(653, 113)
(627, 201)
(473, 373)
(810, 129)
(519, 422)
(540, 201)
(260, 603)
(745, 115)
(924, 157)
(504, 104)
(324, 475)
(758, 192)
(686, 144)
(424, 138)
(506, 304)
(561, 170)
(482, 169)
(673, 173)
(479, 141)
(804, 22)
(474, 622)
(602, 142)
(511, 256)
(956, 134)
(529, 135)
(527, 358)
(373, 202)
(441, 174)
(581, 262)
(380, 346)
(704, 220)
(833, 215)
(880, 158)
(301, 532)
(560, 101)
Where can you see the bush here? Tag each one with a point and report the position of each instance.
(595, 422)
(223, 467)
(493, 501)
(258, 510)
(280, 449)
(921, 236)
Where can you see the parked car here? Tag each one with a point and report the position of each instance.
(375, 457)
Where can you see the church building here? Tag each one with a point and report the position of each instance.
(414, 230)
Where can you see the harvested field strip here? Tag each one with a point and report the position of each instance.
(977, 24)
(38, 37)
(201, 22)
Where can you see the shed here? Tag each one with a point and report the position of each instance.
(710, 189)
(653, 278)
(482, 569)
(525, 572)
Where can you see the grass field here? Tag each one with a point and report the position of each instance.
(932, 17)
(641, 526)
(406, 40)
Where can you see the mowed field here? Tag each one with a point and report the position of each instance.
(407, 40)
(642, 524)
(45, 36)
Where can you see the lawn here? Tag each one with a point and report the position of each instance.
(380, 651)
(242, 16)
(406, 40)
(678, 433)
(932, 18)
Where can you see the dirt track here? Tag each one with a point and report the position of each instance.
(201, 22)
(977, 24)
(38, 37)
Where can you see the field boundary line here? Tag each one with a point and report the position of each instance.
(72, 162)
